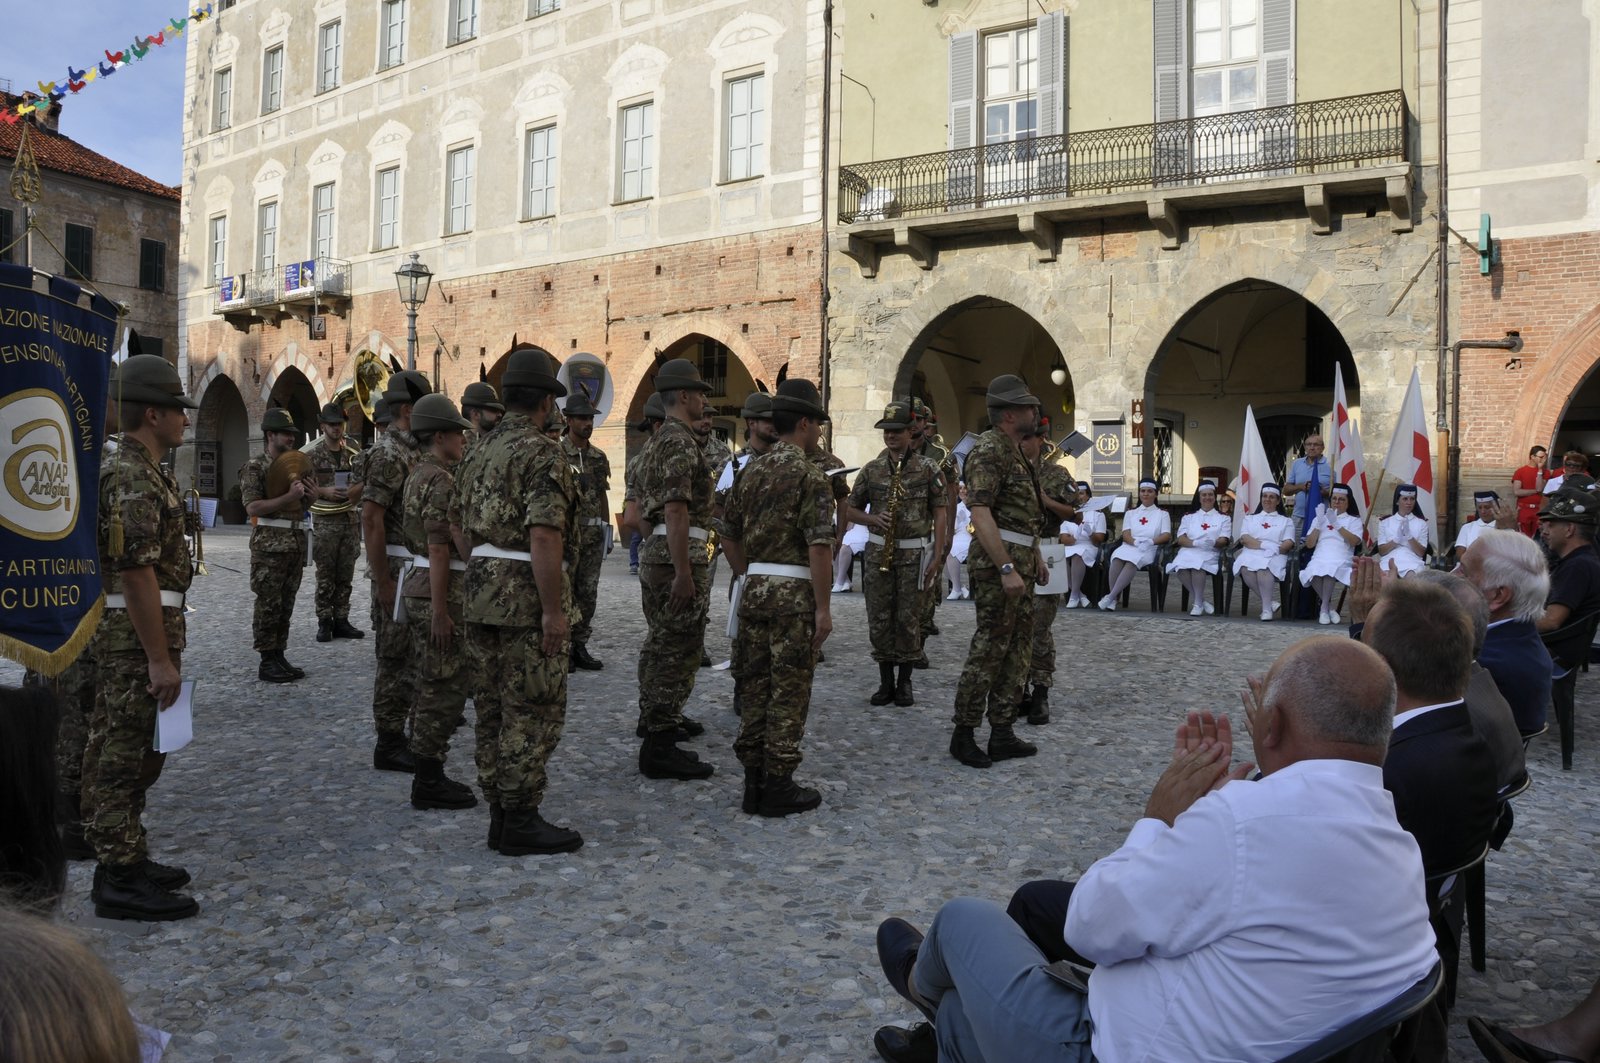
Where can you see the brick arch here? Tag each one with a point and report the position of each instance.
(227, 364)
(1552, 385)
(292, 356)
(630, 380)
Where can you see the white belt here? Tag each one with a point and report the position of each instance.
(169, 600)
(694, 533)
(396, 550)
(418, 561)
(901, 544)
(489, 550)
(279, 522)
(763, 568)
(599, 522)
(1018, 538)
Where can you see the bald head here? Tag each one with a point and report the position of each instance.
(1325, 698)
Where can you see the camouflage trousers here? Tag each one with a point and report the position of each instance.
(119, 763)
(773, 664)
(586, 580)
(521, 707)
(275, 580)
(1042, 667)
(335, 545)
(74, 691)
(395, 682)
(670, 656)
(998, 660)
(930, 598)
(894, 607)
(443, 682)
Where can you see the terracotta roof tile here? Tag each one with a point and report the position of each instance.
(53, 151)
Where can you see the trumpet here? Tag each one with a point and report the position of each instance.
(193, 526)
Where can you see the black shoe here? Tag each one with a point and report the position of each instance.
(685, 729)
(581, 658)
(885, 692)
(273, 670)
(782, 796)
(898, 942)
(900, 1045)
(820, 657)
(526, 833)
(1005, 745)
(324, 630)
(344, 629)
(921, 661)
(69, 817)
(660, 758)
(497, 824)
(165, 876)
(964, 747)
(431, 788)
(1037, 707)
(391, 754)
(931, 631)
(754, 779)
(125, 891)
(705, 659)
(738, 704)
(903, 694)
(298, 673)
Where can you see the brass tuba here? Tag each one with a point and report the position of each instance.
(370, 377)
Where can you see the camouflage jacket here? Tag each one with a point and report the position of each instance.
(389, 462)
(672, 468)
(999, 477)
(146, 497)
(778, 510)
(326, 460)
(1056, 484)
(429, 498)
(517, 479)
(924, 498)
(253, 488)
(935, 451)
(593, 471)
(838, 489)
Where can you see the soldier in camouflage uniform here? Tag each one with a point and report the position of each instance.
(758, 439)
(358, 464)
(594, 516)
(654, 414)
(517, 503)
(73, 690)
(481, 406)
(433, 587)
(716, 455)
(335, 525)
(1003, 495)
(1058, 492)
(277, 546)
(778, 531)
(919, 531)
(144, 560)
(675, 508)
(388, 464)
(555, 424)
(927, 444)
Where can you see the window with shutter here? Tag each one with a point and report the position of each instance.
(152, 265)
(1171, 147)
(960, 178)
(1051, 160)
(7, 237)
(80, 251)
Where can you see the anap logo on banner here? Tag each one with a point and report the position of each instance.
(41, 497)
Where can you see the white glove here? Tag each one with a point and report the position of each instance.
(1322, 510)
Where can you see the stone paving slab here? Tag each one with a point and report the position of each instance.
(338, 923)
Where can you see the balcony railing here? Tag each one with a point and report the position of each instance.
(1319, 136)
(310, 281)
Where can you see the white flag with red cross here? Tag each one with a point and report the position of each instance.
(1349, 456)
(1254, 471)
(1410, 459)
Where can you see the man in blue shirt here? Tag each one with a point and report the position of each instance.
(1301, 473)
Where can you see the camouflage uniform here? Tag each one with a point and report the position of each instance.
(119, 765)
(936, 452)
(592, 469)
(518, 479)
(1057, 484)
(894, 596)
(443, 680)
(335, 529)
(780, 508)
(73, 690)
(997, 663)
(388, 464)
(671, 469)
(277, 561)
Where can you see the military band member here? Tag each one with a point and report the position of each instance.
(594, 516)
(1004, 564)
(674, 573)
(518, 500)
(388, 464)
(654, 414)
(1058, 493)
(759, 435)
(335, 525)
(358, 464)
(481, 406)
(433, 588)
(778, 531)
(555, 424)
(906, 494)
(145, 563)
(928, 444)
(277, 546)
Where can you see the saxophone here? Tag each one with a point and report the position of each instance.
(891, 513)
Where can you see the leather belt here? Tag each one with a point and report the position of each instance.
(418, 561)
(279, 522)
(169, 600)
(901, 544)
(765, 568)
(694, 533)
(1018, 538)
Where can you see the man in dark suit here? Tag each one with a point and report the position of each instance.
(1510, 570)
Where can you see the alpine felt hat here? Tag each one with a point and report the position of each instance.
(757, 407)
(332, 413)
(1573, 505)
(407, 386)
(482, 396)
(799, 397)
(532, 367)
(680, 374)
(436, 413)
(278, 420)
(1010, 390)
(578, 405)
(150, 379)
(896, 415)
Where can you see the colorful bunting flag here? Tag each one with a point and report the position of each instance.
(77, 80)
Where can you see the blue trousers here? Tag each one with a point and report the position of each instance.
(994, 1000)
(633, 550)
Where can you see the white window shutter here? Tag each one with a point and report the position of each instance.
(963, 90)
(1051, 32)
(1172, 59)
(1277, 52)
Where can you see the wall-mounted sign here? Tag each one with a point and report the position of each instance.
(1106, 467)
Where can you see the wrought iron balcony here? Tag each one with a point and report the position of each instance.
(1317, 137)
(293, 289)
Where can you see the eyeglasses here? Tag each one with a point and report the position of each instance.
(1572, 464)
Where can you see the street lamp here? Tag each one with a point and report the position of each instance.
(412, 279)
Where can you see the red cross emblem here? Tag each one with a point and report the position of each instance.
(1266, 525)
(1205, 527)
(1144, 520)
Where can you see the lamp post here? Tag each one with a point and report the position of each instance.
(412, 279)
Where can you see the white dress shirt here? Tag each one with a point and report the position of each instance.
(1268, 915)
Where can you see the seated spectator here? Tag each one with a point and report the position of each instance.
(1083, 552)
(853, 543)
(33, 865)
(1403, 534)
(1567, 525)
(1239, 921)
(1333, 539)
(1572, 1038)
(58, 1002)
(960, 544)
(1486, 503)
(1510, 570)
(1202, 536)
(1264, 546)
(1145, 529)
(1573, 463)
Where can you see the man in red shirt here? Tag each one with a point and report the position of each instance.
(1528, 482)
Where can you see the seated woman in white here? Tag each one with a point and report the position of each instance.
(1403, 534)
(854, 541)
(954, 565)
(1202, 536)
(1334, 536)
(1266, 539)
(1083, 552)
(1486, 503)
(1145, 529)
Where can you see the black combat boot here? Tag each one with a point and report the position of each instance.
(431, 788)
(391, 753)
(344, 629)
(738, 701)
(497, 824)
(964, 747)
(686, 728)
(124, 891)
(754, 785)
(526, 833)
(660, 758)
(581, 658)
(165, 876)
(903, 695)
(705, 659)
(324, 630)
(931, 630)
(1038, 706)
(921, 661)
(1005, 745)
(900, 1045)
(274, 671)
(299, 673)
(885, 692)
(69, 817)
(782, 796)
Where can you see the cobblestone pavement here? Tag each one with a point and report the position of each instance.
(338, 923)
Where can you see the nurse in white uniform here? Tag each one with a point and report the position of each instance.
(1403, 534)
(960, 543)
(1485, 501)
(1202, 536)
(1334, 536)
(1266, 537)
(1083, 552)
(1145, 529)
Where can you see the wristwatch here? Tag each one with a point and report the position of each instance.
(1007, 568)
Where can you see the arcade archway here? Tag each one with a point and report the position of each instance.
(221, 438)
(721, 367)
(1579, 427)
(293, 392)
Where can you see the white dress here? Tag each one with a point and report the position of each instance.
(1269, 529)
(1091, 524)
(855, 538)
(1144, 523)
(1470, 531)
(1397, 528)
(961, 541)
(1203, 527)
(1333, 555)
